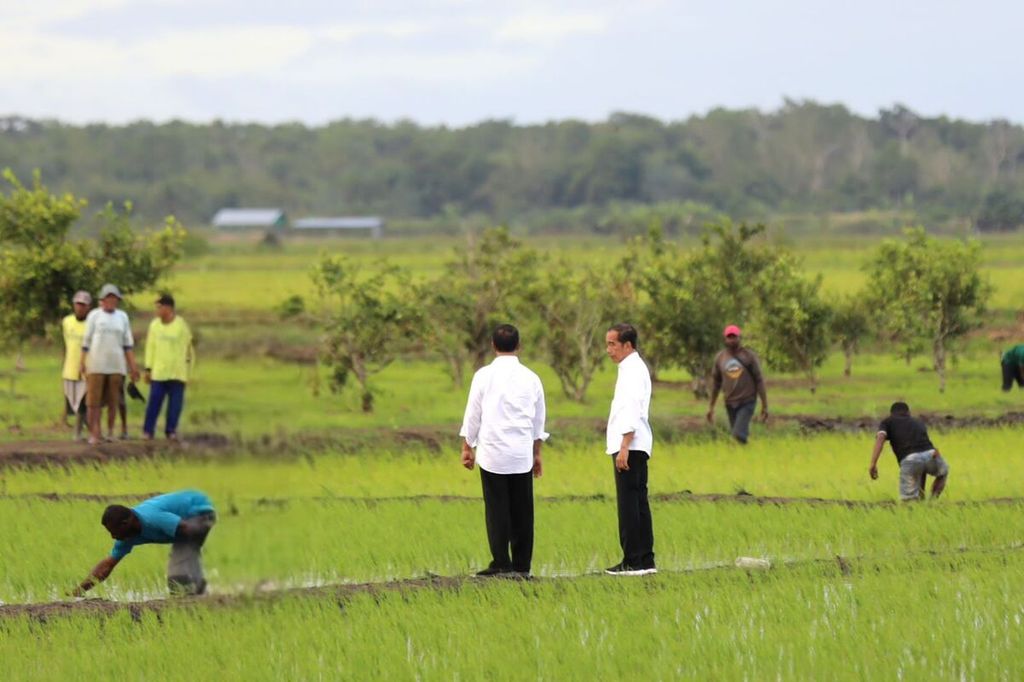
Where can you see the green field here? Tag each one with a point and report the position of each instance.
(313, 494)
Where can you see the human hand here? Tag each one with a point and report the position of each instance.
(710, 416)
(468, 457)
(538, 467)
(148, 377)
(622, 460)
(874, 472)
(764, 415)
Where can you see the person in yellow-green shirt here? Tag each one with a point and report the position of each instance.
(169, 358)
(73, 331)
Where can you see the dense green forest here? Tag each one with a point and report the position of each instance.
(804, 157)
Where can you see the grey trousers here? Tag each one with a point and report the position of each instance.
(739, 420)
(185, 565)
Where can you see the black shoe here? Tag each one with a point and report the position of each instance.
(492, 572)
(625, 569)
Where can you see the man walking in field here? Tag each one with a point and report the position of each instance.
(503, 431)
(169, 356)
(914, 452)
(181, 519)
(73, 331)
(630, 441)
(1013, 367)
(107, 356)
(737, 375)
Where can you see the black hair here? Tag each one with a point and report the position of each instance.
(626, 332)
(505, 338)
(115, 516)
(166, 299)
(901, 409)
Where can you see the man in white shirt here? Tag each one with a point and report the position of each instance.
(630, 440)
(107, 356)
(502, 431)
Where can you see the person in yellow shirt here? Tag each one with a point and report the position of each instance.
(169, 359)
(73, 331)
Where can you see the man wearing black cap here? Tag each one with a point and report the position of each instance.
(169, 358)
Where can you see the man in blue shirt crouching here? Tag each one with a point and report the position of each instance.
(181, 519)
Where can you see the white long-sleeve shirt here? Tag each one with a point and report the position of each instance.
(504, 415)
(631, 405)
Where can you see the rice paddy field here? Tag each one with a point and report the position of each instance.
(345, 541)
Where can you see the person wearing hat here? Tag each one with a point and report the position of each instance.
(73, 331)
(107, 356)
(737, 375)
(168, 360)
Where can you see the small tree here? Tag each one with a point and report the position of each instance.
(365, 321)
(851, 324)
(794, 320)
(930, 291)
(484, 285)
(689, 297)
(41, 265)
(575, 311)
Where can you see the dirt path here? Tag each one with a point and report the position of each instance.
(64, 453)
(340, 593)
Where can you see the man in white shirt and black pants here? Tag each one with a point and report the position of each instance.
(630, 440)
(503, 430)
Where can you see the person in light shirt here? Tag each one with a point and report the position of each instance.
(630, 440)
(503, 431)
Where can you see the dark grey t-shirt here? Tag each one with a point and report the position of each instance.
(737, 376)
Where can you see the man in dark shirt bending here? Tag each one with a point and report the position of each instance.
(914, 451)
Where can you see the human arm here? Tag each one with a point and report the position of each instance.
(98, 574)
(622, 459)
(86, 343)
(876, 452)
(128, 343)
(539, 434)
(133, 368)
(468, 456)
(762, 391)
(716, 388)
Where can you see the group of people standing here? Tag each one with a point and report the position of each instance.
(100, 366)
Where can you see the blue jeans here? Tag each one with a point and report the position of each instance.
(174, 391)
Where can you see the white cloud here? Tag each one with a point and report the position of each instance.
(548, 28)
(223, 52)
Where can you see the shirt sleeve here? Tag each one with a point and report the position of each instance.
(716, 374)
(755, 367)
(630, 418)
(127, 339)
(883, 427)
(90, 328)
(148, 362)
(121, 549)
(540, 415)
(164, 521)
(474, 408)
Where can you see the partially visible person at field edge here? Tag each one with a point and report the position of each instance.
(73, 331)
(168, 361)
(1013, 367)
(107, 356)
(737, 375)
(182, 519)
(503, 432)
(915, 453)
(629, 440)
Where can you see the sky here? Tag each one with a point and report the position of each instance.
(456, 62)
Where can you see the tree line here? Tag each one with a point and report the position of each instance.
(803, 157)
(923, 295)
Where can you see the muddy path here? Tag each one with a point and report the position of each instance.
(841, 566)
(31, 453)
(434, 439)
(682, 496)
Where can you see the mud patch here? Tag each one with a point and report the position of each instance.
(939, 422)
(64, 453)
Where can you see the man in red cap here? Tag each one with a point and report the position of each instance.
(737, 374)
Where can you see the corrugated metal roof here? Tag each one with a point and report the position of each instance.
(248, 217)
(339, 223)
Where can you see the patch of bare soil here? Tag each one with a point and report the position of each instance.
(38, 453)
(815, 424)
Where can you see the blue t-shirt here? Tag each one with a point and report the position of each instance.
(160, 517)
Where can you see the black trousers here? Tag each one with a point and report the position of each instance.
(636, 532)
(508, 507)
